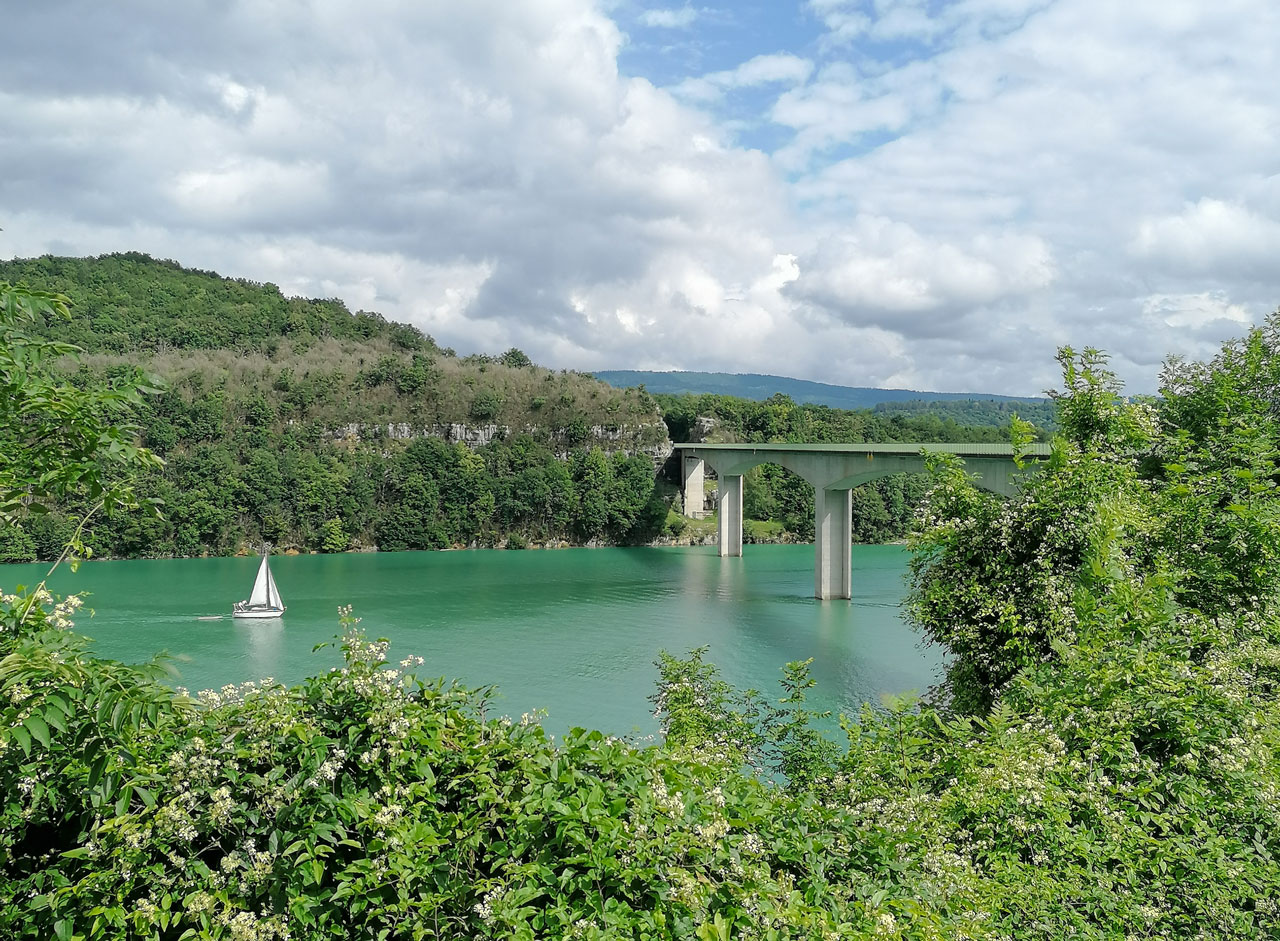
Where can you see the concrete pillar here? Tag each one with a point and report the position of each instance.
(729, 503)
(695, 490)
(832, 534)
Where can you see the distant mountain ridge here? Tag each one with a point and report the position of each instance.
(759, 387)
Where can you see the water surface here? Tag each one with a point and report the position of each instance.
(574, 631)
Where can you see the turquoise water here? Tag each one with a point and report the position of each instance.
(574, 631)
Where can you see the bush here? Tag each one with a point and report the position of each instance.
(486, 406)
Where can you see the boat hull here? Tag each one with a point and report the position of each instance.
(259, 615)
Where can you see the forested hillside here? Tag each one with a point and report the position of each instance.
(979, 412)
(302, 424)
(299, 423)
(759, 387)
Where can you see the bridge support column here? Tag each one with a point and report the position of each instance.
(729, 503)
(694, 494)
(832, 534)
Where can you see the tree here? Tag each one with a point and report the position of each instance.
(58, 440)
(515, 358)
(487, 405)
(333, 536)
(591, 479)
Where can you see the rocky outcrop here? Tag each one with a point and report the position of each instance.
(703, 427)
(647, 439)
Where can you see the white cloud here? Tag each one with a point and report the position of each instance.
(879, 273)
(848, 21)
(957, 189)
(681, 18)
(773, 69)
(243, 192)
(483, 168)
(1211, 237)
(1207, 309)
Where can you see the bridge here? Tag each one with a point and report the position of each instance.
(833, 470)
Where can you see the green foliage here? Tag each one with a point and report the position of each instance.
(778, 418)
(515, 358)
(1116, 777)
(1007, 586)
(701, 716)
(486, 405)
(333, 537)
(996, 581)
(130, 302)
(16, 545)
(957, 414)
(1216, 468)
(803, 755)
(58, 440)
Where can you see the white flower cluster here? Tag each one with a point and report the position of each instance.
(220, 808)
(670, 804)
(176, 820)
(329, 768)
(58, 614)
(249, 866)
(250, 926)
(236, 692)
(193, 764)
(484, 908)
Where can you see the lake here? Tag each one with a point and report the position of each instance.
(573, 631)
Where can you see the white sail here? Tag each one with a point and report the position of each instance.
(263, 586)
(265, 600)
(273, 593)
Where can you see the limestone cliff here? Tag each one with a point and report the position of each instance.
(642, 438)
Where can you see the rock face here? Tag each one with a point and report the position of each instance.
(703, 426)
(648, 438)
(651, 441)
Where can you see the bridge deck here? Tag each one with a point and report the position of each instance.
(960, 450)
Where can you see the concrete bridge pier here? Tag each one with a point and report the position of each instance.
(832, 537)
(729, 504)
(694, 492)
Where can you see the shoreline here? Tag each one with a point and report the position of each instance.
(665, 542)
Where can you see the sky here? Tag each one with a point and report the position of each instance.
(896, 193)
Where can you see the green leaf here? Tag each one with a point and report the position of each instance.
(38, 729)
(96, 768)
(23, 738)
(54, 719)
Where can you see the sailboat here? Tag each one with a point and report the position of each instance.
(264, 601)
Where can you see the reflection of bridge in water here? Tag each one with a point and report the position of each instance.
(833, 470)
